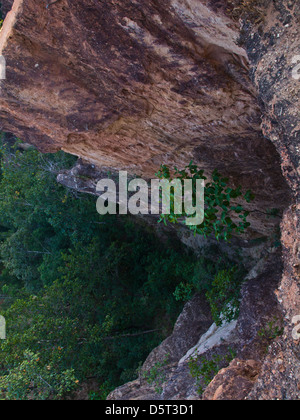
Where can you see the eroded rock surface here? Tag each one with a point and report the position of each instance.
(272, 50)
(243, 337)
(134, 84)
(235, 382)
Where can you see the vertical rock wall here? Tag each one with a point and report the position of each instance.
(134, 84)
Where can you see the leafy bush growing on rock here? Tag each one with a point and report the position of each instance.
(204, 369)
(156, 375)
(224, 296)
(220, 278)
(219, 209)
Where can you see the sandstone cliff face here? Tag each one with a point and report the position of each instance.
(133, 84)
(272, 52)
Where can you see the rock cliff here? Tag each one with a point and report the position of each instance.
(134, 84)
(272, 51)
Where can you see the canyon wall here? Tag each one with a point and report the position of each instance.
(134, 84)
(272, 51)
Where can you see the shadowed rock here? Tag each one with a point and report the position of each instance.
(132, 85)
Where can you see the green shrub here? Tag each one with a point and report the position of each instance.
(204, 369)
(219, 277)
(218, 203)
(225, 295)
(272, 330)
(156, 375)
(102, 393)
(184, 292)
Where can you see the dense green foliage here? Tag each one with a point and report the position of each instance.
(225, 295)
(219, 208)
(83, 295)
(30, 379)
(220, 279)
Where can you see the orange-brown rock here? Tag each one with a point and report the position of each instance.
(134, 84)
(234, 382)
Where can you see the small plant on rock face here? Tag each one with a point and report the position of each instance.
(156, 376)
(204, 370)
(224, 297)
(208, 275)
(272, 330)
(219, 209)
(184, 292)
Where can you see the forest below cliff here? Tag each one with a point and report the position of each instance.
(85, 297)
